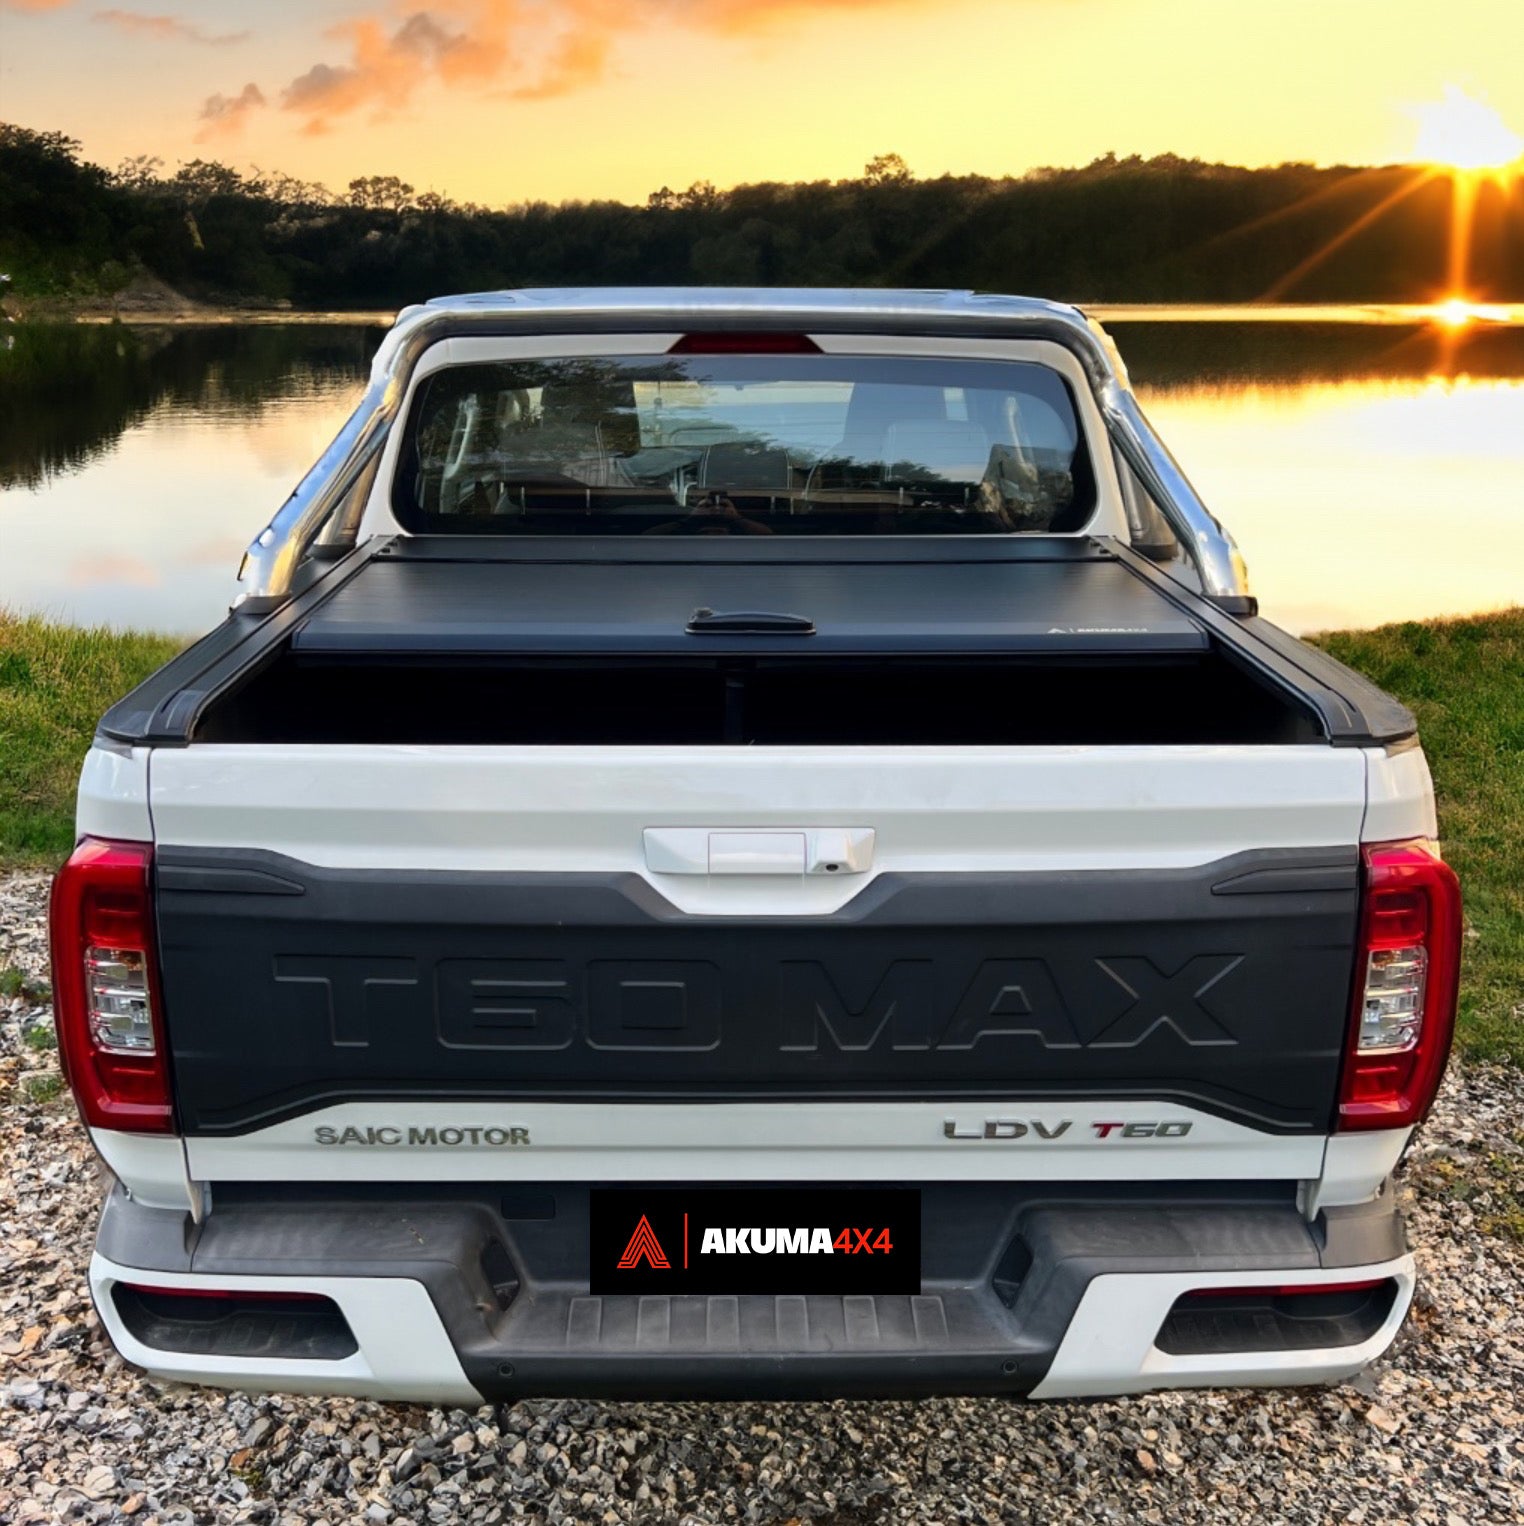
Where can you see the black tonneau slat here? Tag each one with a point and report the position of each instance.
(812, 550)
(491, 607)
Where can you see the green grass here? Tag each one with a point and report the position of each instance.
(42, 1087)
(1463, 678)
(55, 682)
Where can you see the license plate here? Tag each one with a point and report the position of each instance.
(755, 1240)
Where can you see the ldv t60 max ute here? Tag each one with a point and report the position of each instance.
(751, 843)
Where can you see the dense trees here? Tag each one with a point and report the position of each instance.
(1164, 229)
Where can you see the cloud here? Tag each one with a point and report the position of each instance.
(34, 5)
(388, 62)
(166, 28)
(734, 16)
(525, 50)
(577, 61)
(223, 116)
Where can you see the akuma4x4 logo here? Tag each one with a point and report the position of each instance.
(804, 1240)
(644, 1246)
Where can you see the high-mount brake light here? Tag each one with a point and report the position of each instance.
(730, 342)
(1406, 973)
(106, 987)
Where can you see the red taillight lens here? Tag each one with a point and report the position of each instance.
(718, 342)
(106, 987)
(1406, 975)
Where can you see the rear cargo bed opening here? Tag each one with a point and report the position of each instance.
(1146, 699)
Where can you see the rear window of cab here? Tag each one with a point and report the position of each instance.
(778, 444)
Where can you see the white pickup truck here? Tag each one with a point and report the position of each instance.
(751, 842)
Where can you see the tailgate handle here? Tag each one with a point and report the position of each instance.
(748, 622)
(793, 851)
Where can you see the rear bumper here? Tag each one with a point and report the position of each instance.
(458, 1298)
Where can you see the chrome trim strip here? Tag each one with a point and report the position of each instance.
(270, 565)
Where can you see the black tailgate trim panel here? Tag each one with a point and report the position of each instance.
(408, 984)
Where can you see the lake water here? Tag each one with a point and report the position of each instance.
(1371, 468)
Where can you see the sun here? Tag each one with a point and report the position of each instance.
(1462, 132)
(1459, 313)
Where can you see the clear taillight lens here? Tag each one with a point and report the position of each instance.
(1391, 1020)
(121, 1012)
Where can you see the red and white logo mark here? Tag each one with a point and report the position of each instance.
(644, 1246)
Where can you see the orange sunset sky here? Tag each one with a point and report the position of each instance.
(509, 100)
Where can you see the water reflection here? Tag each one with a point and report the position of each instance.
(1370, 474)
(1167, 355)
(136, 463)
(1371, 471)
(68, 392)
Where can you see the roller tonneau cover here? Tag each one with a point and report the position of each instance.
(401, 606)
(415, 597)
(752, 843)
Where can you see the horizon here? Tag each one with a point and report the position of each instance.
(507, 102)
(638, 201)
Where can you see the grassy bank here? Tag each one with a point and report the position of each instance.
(1464, 678)
(55, 681)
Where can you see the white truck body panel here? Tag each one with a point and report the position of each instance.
(578, 809)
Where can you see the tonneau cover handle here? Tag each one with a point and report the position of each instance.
(762, 622)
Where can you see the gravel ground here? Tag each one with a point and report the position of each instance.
(1434, 1433)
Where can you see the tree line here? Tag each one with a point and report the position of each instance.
(1164, 229)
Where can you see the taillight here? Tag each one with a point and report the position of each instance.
(1406, 975)
(106, 987)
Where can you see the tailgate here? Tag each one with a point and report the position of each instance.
(400, 928)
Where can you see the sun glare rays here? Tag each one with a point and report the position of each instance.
(1466, 139)
(1462, 140)
(1372, 214)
